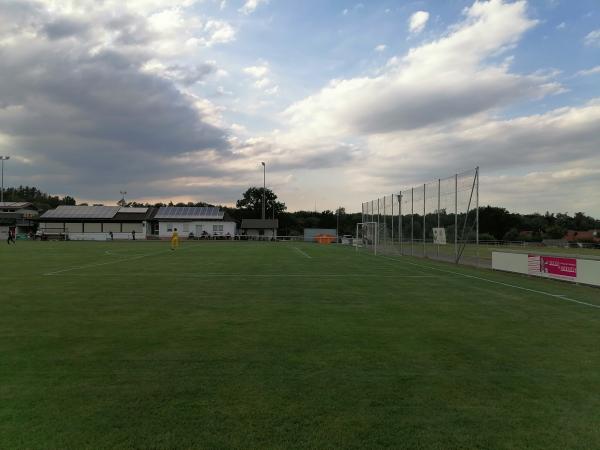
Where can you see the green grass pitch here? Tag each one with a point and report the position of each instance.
(260, 345)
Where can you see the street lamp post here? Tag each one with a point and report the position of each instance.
(3, 158)
(264, 189)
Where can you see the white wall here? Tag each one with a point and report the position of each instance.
(104, 236)
(268, 233)
(185, 228)
(587, 270)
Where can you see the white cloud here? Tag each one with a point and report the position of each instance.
(441, 81)
(257, 71)
(561, 26)
(262, 83)
(272, 91)
(593, 38)
(592, 71)
(380, 48)
(220, 32)
(251, 5)
(418, 21)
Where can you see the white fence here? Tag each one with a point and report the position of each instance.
(565, 268)
(104, 236)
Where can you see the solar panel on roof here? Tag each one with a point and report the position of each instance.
(82, 212)
(188, 212)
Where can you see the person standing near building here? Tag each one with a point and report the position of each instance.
(11, 236)
(133, 234)
(175, 239)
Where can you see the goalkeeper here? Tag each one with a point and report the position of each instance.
(175, 240)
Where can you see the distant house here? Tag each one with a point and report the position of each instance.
(587, 236)
(95, 222)
(191, 221)
(260, 228)
(20, 215)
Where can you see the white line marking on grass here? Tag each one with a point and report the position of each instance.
(302, 253)
(549, 294)
(87, 266)
(272, 275)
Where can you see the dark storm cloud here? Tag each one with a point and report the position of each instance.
(86, 116)
(64, 28)
(103, 98)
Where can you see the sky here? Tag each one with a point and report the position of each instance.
(345, 101)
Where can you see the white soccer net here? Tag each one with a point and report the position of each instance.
(367, 236)
(439, 219)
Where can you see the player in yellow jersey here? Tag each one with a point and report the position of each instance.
(175, 239)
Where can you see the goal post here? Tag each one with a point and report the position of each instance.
(367, 236)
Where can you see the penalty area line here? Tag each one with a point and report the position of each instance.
(302, 253)
(514, 286)
(116, 261)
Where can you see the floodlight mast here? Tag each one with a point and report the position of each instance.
(3, 158)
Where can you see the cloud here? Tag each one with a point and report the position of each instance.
(251, 5)
(257, 71)
(587, 72)
(444, 80)
(220, 32)
(561, 26)
(593, 38)
(88, 106)
(263, 82)
(380, 48)
(548, 157)
(418, 21)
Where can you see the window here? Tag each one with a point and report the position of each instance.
(186, 227)
(217, 228)
(169, 227)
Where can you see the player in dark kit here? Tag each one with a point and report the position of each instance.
(11, 236)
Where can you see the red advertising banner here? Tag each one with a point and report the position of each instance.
(553, 266)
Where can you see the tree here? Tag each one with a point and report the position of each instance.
(251, 203)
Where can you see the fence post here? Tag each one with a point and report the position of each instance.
(377, 234)
(477, 214)
(372, 211)
(456, 218)
(424, 222)
(401, 237)
(384, 221)
(412, 218)
(392, 220)
(438, 213)
(363, 214)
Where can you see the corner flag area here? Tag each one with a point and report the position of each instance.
(288, 345)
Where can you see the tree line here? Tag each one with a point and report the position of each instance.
(495, 223)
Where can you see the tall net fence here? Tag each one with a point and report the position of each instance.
(438, 220)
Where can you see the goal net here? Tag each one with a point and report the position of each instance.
(367, 236)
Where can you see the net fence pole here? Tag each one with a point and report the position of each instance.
(384, 221)
(400, 222)
(424, 222)
(363, 213)
(392, 220)
(438, 213)
(378, 214)
(412, 219)
(456, 218)
(477, 214)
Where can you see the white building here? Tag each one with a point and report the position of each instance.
(192, 222)
(95, 222)
(259, 228)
